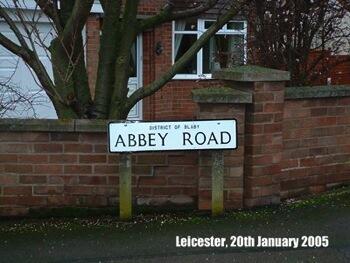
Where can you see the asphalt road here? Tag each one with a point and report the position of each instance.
(103, 240)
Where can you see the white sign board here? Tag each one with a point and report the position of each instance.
(170, 136)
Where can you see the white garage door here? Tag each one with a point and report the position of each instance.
(17, 79)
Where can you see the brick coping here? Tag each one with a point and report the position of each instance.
(51, 125)
(211, 95)
(221, 95)
(251, 73)
(317, 92)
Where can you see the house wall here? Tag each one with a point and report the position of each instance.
(332, 69)
(340, 73)
(174, 101)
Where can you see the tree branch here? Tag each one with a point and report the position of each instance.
(50, 10)
(28, 55)
(29, 58)
(194, 49)
(13, 27)
(345, 4)
(167, 14)
(13, 47)
(77, 19)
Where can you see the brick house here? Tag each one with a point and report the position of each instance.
(154, 51)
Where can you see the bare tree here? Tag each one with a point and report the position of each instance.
(17, 100)
(298, 36)
(13, 100)
(345, 4)
(68, 88)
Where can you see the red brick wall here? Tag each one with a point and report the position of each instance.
(316, 145)
(233, 160)
(43, 169)
(264, 144)
(308, 153)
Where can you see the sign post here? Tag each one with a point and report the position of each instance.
(217, 186)
(125, 195)
(126, 138)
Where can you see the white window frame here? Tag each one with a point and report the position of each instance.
(200, 30)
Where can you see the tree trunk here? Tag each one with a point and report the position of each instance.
(62, 73)
(118, 100)
(80, 80)
(117, 106)
(109, 41)
(70, 79)
(64, 111)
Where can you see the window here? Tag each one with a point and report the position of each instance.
(226, 49)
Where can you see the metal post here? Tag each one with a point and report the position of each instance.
(217, 174)
(125, 195)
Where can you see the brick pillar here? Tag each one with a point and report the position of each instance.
(222, 103)
(263, 136)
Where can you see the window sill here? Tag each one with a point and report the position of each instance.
(192, 77)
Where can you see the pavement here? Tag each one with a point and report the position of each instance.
(152, 238)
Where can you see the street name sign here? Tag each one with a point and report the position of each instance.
(171, 136)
